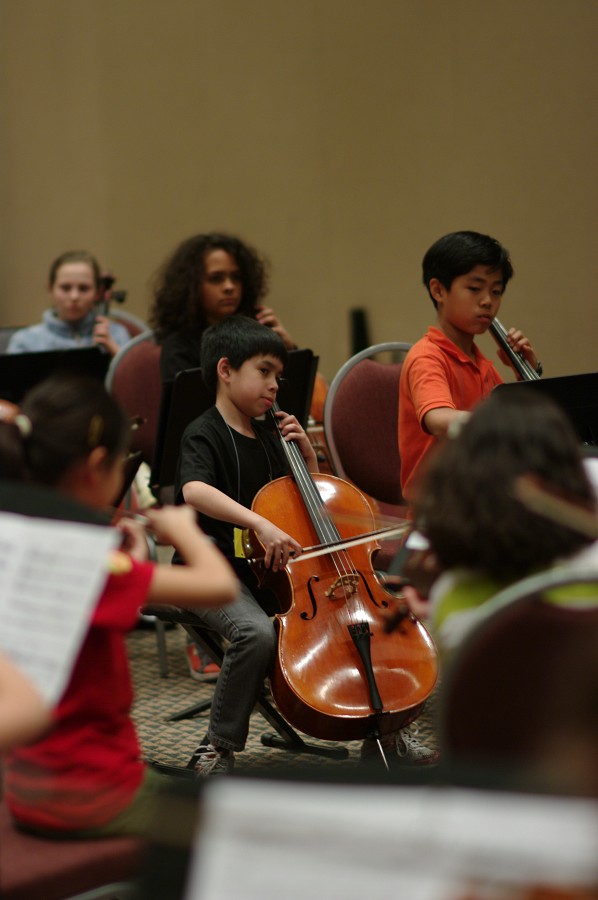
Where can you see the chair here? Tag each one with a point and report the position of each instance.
(6, 332)
(133, 324)
(521, 689)
(34, 866)
(361, 416)
(133, 377)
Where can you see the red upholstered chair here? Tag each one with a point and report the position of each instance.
(361, 427)
(361, 421)
(134, 379)
(520, 691)
(34, 867)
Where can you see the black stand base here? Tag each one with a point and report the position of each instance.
(191, 711)
(176, 771)
(299, 746)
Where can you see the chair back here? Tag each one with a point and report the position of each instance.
(361, 416)
(134, 379)
(6, 332)
(132, 323)
(34, 866)
(524, 680)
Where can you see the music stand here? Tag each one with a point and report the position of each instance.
(46, 503)
(187, 397)
(575, 394)
(19, 372)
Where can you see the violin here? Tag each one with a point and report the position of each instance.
(338, 674)
(523, 368)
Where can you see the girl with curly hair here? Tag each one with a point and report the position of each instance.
(207, 278)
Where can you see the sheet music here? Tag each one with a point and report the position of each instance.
(263, 840)
(53, 573)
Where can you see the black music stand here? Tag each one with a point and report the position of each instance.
(46, 503)
(187, 397)
(577, 396)
(19, 372)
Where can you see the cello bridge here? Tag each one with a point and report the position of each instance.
(347, 582)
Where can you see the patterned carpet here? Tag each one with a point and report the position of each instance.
(173, 743)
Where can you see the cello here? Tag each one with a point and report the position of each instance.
(338, 674)
(517, 360)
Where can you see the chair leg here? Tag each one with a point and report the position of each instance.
(161, 642)
(190, 712)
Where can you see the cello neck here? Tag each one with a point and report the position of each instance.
(518, 360)
(323, 525)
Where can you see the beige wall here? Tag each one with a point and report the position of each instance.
(341, 138)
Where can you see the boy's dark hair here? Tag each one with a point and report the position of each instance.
(466, 504)
(177, 305)
(458, 253)
(237, 338)
(69, 417)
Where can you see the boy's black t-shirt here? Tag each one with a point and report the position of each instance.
(235, 464)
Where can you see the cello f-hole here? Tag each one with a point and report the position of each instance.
(305, 616)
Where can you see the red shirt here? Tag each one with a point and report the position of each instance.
(88, 766)
(436, 373)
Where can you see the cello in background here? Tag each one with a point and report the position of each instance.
(107, 280)
(338, 674)
(517, 360)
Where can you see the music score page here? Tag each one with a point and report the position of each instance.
(53, 573)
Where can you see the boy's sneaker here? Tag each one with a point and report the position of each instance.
(202, 668)
(412, 751)
(404, 745)
(207, 760)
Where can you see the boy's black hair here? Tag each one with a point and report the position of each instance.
(458, 253)
(237, 338)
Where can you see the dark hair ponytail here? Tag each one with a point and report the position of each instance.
(60, 422)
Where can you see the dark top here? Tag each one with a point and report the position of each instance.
(235, 464)
(180, 351)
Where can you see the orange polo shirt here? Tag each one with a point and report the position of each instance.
(436, 373)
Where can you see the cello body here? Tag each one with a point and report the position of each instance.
(321, 682)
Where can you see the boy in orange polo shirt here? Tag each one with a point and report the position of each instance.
(444, 373)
